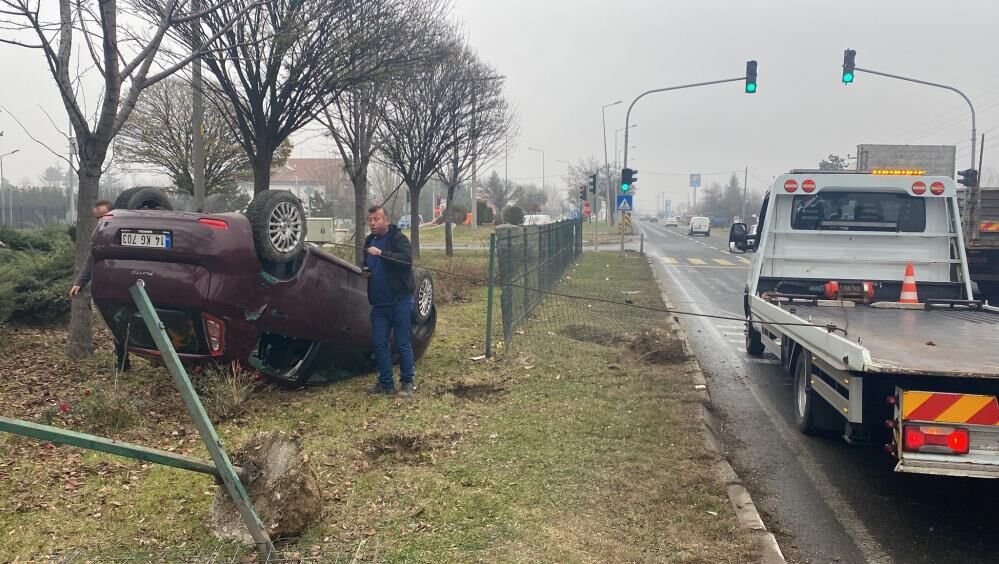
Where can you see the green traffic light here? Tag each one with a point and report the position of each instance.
(625, 187)
(750, 87)
(847, 77)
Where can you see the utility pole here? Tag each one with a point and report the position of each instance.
(603, 115)
(197, 116)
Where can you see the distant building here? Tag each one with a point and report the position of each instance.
(302, 177)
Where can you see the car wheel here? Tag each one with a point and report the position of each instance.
(142, 198)
(707, 233)
(278, 222)
(423, 296)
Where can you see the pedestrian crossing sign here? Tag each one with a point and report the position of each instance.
(624, 202)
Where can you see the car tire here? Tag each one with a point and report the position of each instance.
(142, 198)
(707, 233)
(277, 219)
(754, 340)
(423, 295)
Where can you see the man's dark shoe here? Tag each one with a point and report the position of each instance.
(378, 390)
(408, 389)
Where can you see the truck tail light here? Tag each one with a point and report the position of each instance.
(791, 186)
(919, 187)
(215, 331)
(924, 438)
(937, 188)
(808, 186)
(214, 223)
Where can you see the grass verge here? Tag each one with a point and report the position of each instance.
(567, 448)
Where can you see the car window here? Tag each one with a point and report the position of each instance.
(858, 211)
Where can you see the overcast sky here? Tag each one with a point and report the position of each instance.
(564, 59)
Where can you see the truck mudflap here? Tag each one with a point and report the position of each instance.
(946, 434)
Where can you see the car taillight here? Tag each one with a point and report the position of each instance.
(937, 188)
(215, 331)
(791, 185)
(923, 438)
(213, 223)
(808, 186)
(919, 188)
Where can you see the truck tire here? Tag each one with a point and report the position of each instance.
(143, 198)
(811, 413)
(423, 296)
(754, 340)
(277, 219)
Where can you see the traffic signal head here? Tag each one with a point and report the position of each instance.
(593, 183)
(582, 192)
(849, 65)
(750, 77)
(968, 177)
(628, 178)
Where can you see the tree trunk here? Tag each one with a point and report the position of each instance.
(81, 340)
(360, 181)
(448, 235)
(414, 219)
(262, 170)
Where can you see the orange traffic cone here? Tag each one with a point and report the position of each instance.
(909, 287)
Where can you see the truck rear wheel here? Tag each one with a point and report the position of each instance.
(754, 340)
(804, 396)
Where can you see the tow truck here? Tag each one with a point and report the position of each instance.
(917, 371)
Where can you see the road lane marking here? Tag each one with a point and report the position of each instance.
(723, 262)
(697, 261)
(745, 260)
(669, 260)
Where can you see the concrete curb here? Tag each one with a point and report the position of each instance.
(738, 495)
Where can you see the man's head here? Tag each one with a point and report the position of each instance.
(377, 221)
(101, 209)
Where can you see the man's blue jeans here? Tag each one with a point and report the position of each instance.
(394, 319)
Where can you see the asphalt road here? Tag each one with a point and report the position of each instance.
(825, 500)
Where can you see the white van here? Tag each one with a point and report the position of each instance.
(537, 219)
(699, 226)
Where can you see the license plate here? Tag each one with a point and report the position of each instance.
(146, 238)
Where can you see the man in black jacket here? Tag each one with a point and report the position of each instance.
(389, 258)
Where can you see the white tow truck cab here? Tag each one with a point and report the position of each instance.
(824, 295)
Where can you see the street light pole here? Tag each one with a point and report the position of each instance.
(603, 115)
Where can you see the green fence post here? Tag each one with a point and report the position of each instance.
(205, 428)
(489, 297)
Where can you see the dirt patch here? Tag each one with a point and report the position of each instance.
(410, 449)
(594, 334)
(474, 391)
(656, 346)
(285, 493)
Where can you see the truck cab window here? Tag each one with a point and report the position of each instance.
(858, 211)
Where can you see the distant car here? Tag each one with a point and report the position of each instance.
(654, 219)
(405, 222)
(244, 288)
(537, 219)
(671, 222)
(699, 226)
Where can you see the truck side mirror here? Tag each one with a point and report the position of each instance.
(738, 235)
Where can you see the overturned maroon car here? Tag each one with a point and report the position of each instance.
(240, 287)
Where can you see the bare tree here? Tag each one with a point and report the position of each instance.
(355, 115)
(310, 52)
(159, 134)
(498, 193)
(125, 57)
(478, 121)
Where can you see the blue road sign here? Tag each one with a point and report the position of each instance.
(624, 202)
(695, 180)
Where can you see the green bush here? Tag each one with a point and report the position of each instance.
(458, 213)
(485, 213)
(36, 271)
(36, 239)
(513, 215)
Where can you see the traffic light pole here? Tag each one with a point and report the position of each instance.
(945, 87)
(627, 117)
